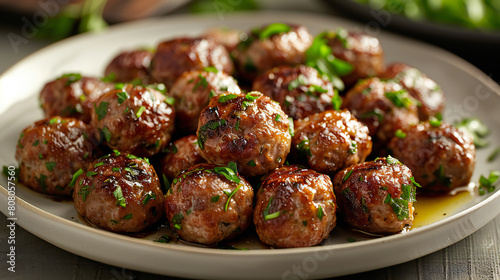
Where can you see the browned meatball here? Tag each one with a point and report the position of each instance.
(361, 50)
(51, 150)
(208, 204)
(250, 129)
(383, 106)
(72, 95)
(174, 57)
(377, 196)
(135, 120)
(419, 86)
(331, 141)
(270, 46)
(193, 90)
(119, 192)
(228, 37)
(295, 208)
(440, 156)
(300, 90)
(181, 154)
(130, 66)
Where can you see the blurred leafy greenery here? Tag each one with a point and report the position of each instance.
(221, 6)
(479, 14)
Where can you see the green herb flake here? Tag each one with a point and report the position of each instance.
(273, 29)
(266, 214)
(277, 118)
(106, 133)
(109, 78)
(128, 216)
(230, 172)
(251, 163)
(488, 184)
(115, 169)
(40, 156)
(101, 163)
(163, 239)
(211, 69)
(292, 128)
(399, 206)
(320, 213)
(36, 143)
(304, 223)
(392, 161)
(300, 81)
(231, 195)
(212, 93)
(215, 198)
(379, 114)
(399, 98)
(336, 101)
(494, 155)
(140, 111)
(169, 100)
(149, 196)
(353, 148)
(50, 165)
(71, 78)
(303, 147)
(400, 134)
(54, 120)
(83, 192)
(477, 129)
(202, 82)
(177, 221)
(75, 177)
(347, 175)
(226, 97)
(250, 96)
(122, 96)
(435, 122)
(101, 110)
(120, 200)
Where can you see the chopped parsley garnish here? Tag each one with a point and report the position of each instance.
(400, 205)
(163, 239)
(336, 101)
(177, 220)
(215, 198)
(202, 131)
(226, 97)
(106, 133)
(277, 118)
(272, 29)
(169, 100)
(115, 169)
(101, 110)
(392, 161)
(101, 163)
(399, 98)
(347, 175)
(301, 80)
(54, 120)
(487, 184)
(50, 165)
(41, 181)
(477, 129)
(435, 122)
(353, 149)
(494, 154)
(120, 200)
(441, 178)
(320, 213)
(303, 147)
(171, 149)
(122, 96)
(292, 128)
(230, 172)
(252, 97)
(71, 78)
(128, 216)
(40, 156)
(211, 69)
(83, 192)
(109, 78)
(229, 196)
(212, 93)
(202, 82)
(400, 134)
(91, 173)
(140, 111)
(36, 143)
(342, 35)
(320, 56)
(266, 214)
(75, 177)
(251, 163)
(375, 113)
(149, 196)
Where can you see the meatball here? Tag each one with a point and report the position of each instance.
(181, 154)
(193, 90)
(377, 196)
(384, 106)
(361, 50)
(295, 208)
(174, 57)
(119, 192)
(440, 156)
(130, 66)
(331, 141)
(51, 150)
(250, 129)
(208, 204)
(300, 90)
(419, 86)
(228, 37)
(135, 120)
(270, 46)
(72, 95)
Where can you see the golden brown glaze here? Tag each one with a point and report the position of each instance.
(66, 97)
(419, 86)
(51, 150)
(142, 124)
(295, 208)
(362, 51)
(119, 192)
(362, 191)
(193, 90)
(251, 130)
(300, 90)
(196, 208)
(131, 65)
(255, 56)
(176, 56)
(181, 155)
(368, 102)
(440, 157)
(331, 141)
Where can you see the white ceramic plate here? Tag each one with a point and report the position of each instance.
(469, 92)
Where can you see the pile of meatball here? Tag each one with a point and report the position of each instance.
(231, 129)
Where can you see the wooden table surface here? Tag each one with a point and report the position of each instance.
(475, 257)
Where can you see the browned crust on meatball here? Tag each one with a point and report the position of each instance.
(193, 90)
(72, 97)
(368, 101)
(181, 155)
(441, 158)
(130, 66)
(120, 193)
(364, 52)
(300, 90)
(51, 150)
(251, 130)
(255, 56)
(142, 124)
(331, 141)
(295, 207)
(203, 206)
(228, 37)
(362, 194)
(174, 57)
(419, 86)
